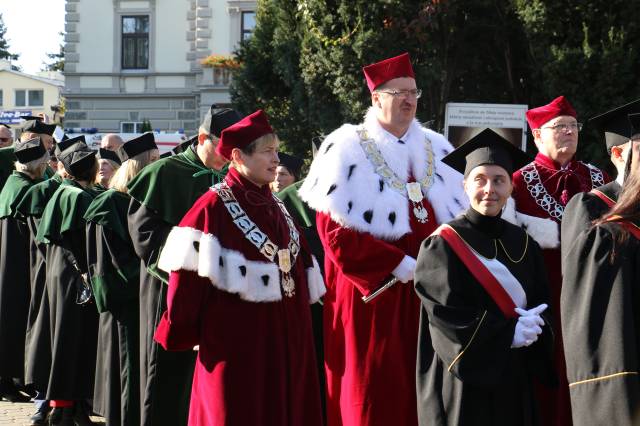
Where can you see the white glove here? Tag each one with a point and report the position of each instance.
(405, 269)
(529, 326)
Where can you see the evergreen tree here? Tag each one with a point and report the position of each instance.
(57, 59)
(587, 51)
(4, 44)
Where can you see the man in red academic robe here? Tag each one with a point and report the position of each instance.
(379, 189)
(241, 283)
(541, 190)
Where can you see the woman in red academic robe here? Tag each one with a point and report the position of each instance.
(241, 283)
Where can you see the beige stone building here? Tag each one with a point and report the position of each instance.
(128, 61)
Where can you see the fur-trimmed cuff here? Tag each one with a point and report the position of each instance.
(315, 282)
(546, 232)
(179, 251)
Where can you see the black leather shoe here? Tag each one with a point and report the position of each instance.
(61, 416)
(81, 415)
(13, 395)
(40, 416)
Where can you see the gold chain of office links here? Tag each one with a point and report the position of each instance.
(504, 249)
(383, 170)
(286, 257)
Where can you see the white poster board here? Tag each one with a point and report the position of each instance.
(465, 120)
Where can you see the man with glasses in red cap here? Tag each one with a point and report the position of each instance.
(379, 189)
(542, 189)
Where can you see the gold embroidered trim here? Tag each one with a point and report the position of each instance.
(468, 344)
(610, 376)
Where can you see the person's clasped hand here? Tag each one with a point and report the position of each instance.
(529, 326)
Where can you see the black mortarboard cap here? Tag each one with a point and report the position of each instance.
(107, 154)
(29, 150)
(64, 144)
(77, 158)
(216, 120)
(31, 117)
(487, 147)
(166, 154)
(291, 162)
(135, 146)
(184, 145)
(615, 124)
(37, 126)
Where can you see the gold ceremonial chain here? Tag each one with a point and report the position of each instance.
(526, 245)
(286, 257)
(413, 191)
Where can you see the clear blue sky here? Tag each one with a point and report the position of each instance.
(32, 30)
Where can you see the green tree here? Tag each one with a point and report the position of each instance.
(4, 44)
(269, 77)
(146, 126)
(57, 59)
(587, 51)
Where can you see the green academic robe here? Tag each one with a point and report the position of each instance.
(15, 291)
(38, 336)
(73, 327)
(114, 271)
(161, 195)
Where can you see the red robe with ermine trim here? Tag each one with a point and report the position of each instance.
(256, 360)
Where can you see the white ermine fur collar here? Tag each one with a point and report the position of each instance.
(342, 181)
(190, 249)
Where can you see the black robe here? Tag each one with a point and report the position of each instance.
(161, 195)
(467, 372)
(6, 164)
(38, 336)
(15, 291)
(582, 210)
(600, 306)
(73, 327)
(114, 272)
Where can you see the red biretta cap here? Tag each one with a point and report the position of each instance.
(383, 71)
(536, 117)
(241, 134)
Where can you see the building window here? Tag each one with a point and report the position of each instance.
(131, 127)
(135, 42)
(248, 24)
(29, 98)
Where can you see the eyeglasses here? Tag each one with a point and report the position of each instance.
(413, 93)
(574, 127)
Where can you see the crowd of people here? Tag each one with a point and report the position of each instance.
(400, 282)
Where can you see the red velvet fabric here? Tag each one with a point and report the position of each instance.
(241, 134)
(256, 361)
(536, 117)
(370, 349)
(561, 184)
(383, 71)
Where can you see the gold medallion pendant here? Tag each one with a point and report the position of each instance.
(414, 191)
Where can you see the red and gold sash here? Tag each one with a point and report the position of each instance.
(626, 224)
(608, 201)
(479, 271)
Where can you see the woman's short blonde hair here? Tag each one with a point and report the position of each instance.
(129, 169)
